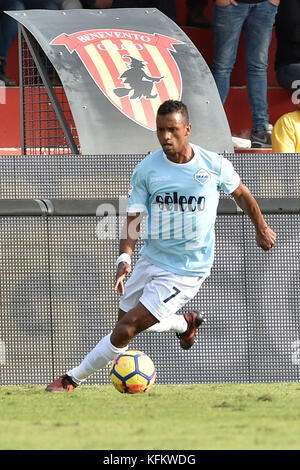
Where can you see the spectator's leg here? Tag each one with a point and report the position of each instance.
(227, 23)
(258, 35)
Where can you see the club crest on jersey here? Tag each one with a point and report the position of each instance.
(202, 176)
(135, 70)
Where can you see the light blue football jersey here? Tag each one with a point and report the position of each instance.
(181, 203)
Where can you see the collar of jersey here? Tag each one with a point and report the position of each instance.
(190, 162)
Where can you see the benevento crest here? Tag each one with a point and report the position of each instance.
(136, 71)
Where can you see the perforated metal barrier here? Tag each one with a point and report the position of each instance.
(57, 275)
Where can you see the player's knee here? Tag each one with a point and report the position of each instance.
(121, 314)
(125, 331)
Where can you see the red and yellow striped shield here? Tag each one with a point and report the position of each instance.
(134, 70)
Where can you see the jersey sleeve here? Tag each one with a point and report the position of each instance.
(138, 196)
(229, 179)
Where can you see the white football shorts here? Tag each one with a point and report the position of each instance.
(161, 292)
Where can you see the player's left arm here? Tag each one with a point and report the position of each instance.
(265, 237)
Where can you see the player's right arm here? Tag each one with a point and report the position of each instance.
(129, 236)
(137, 204)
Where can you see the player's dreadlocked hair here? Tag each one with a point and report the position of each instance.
(174, 106)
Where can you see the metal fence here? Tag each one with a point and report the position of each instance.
(57, 274)
(47, 124)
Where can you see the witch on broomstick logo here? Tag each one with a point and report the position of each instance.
(140, 84)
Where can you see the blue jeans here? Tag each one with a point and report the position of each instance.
(257, 20)
(287, 74)
(9, 27)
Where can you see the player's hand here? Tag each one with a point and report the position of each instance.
(122, 269)
(266, 238)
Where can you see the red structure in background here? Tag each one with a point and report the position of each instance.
(236, 106)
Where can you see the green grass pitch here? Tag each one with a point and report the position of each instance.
(178, 417)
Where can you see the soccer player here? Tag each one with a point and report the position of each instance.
(177, 189)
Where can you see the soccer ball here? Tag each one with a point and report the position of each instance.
(133, 372)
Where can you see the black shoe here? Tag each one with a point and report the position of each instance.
(262, 138)
(194, 320)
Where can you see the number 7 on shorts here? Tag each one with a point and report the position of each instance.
(177, 291)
